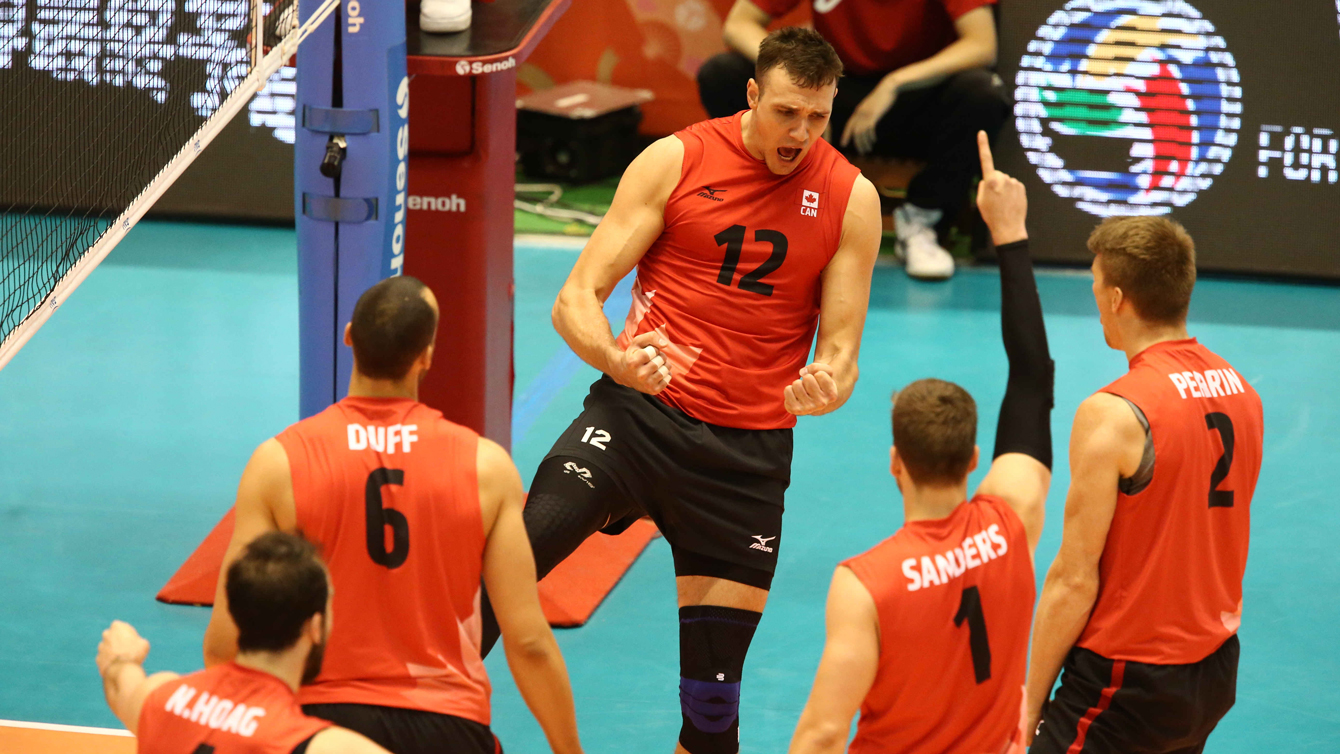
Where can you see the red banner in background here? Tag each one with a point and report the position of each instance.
(640, 44)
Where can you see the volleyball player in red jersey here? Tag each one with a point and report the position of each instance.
(746, 233)
(281, 602)
(410, 511)
(928, 631)
(1143, 601)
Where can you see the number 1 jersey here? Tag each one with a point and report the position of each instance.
(388, 489)
(954, 598)
(733, 280)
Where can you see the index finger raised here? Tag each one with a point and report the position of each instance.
(984, 151)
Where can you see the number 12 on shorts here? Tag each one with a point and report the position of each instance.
(596, 437)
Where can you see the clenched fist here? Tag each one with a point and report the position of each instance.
(816, 392)
(121, 642)
(642, 366)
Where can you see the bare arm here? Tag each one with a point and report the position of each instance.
(826, 383)
(337, 740)
(745, 27)
(1105, 444)
(264, 503)
(509, 574)
(846, 672)
(635, 219)
(974, 48)
(121, 656)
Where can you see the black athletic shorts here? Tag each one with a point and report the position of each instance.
(717, 493)
(1121, 707)
(410, 731)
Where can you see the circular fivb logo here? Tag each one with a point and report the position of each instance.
(1128, 107)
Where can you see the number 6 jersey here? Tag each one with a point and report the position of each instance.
(733, 280)
(388, 489)
(954, 598)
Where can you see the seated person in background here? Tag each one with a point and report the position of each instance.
(928, 631)
(917, 86)
(411, 511)
(281, 604)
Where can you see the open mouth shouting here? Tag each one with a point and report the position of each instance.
(788, 154)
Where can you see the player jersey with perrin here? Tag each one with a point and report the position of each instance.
(1170, 577)
(954, 598)
(733, 280)
(389, 490)
(227, 709)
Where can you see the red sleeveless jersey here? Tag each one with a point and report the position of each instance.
(733, 280)
(389, 490)
(955, 601)
(229, 708)
(1170, 578)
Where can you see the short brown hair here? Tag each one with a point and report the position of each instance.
(935, 431)
(1152, 260)
(807, 57)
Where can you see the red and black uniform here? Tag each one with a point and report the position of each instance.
(733, 284)
(388, 489)
(227, 709)
(1155, 667)
(954, 598)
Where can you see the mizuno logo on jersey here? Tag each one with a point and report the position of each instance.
(710, 193)
(977, 550)
(762, 543)
(1211, 383)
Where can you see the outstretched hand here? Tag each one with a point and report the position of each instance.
(816, 392)
(1001, 199)
(121, 642)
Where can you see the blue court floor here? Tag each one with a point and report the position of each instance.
(126, 421)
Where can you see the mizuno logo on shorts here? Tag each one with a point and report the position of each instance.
(762, 543)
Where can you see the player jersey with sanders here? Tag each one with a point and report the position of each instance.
(954, 598)
(389, 490)
(227, 709)
(733, 280)
(1171, 572)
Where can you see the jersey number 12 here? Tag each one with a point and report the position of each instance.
(733, 239)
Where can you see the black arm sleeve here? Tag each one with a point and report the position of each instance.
(1025, 414)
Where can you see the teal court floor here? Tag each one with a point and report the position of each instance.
(125, 423)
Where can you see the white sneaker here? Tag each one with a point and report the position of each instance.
(444, 16)
(917, 246)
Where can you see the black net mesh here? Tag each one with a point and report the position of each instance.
(96, 97)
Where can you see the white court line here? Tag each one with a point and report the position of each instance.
(65, 728)
(544, 240)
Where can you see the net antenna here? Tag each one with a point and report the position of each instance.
(65, 203)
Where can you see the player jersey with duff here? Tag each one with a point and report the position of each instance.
(227, 709)
(954, 598)
(1170, 577)
(389, 490)
(733, 280)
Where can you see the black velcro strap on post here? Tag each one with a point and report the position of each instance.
(338, 120)
(337, 209)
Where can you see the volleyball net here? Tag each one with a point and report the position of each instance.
(73, 183)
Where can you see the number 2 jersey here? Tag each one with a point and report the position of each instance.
(227, 709)
(733, 280)
(1170, 577)
(954, 598)
(388, 489)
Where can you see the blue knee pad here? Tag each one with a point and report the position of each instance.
(713, 642)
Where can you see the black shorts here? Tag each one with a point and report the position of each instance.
(717, 493)
(410, 731)
(1121, 707)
